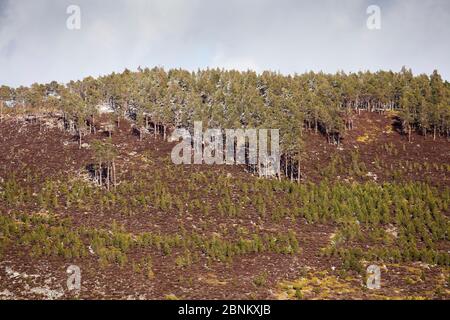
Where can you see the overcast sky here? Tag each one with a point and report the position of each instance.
(290, 36)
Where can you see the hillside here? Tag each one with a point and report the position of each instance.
(210, 232)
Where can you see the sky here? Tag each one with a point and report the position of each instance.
(287, 36)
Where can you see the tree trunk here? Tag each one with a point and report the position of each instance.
(93, 123)
(108, 177)
(259, 167)
(114, 174)
(100, 174)
(292, 169)
(299, 173)
(285, 167)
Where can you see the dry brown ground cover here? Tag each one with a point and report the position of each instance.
(200, 232)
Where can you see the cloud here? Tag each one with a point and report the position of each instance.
(285, 35)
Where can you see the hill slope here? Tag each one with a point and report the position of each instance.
(201, 232)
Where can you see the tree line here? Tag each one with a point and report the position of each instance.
(158, 100)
